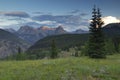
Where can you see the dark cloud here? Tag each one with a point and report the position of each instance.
(83, 14)
(15, 14)
(78, 12)
(42, 13)
(67, 20)
(38, 12)
(74, 11)
(43, 17)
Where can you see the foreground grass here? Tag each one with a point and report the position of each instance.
(81, 68)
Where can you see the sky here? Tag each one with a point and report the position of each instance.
(71, 14)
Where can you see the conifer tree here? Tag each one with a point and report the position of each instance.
(18, 56)
(19, 50)
(54, 52)
(96, 44)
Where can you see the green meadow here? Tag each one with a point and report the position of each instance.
(71, 68)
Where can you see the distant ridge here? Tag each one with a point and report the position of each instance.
(112, 29)
(32, 35)
(9, 43)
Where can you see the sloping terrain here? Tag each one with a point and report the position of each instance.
(64, 41)
(112, 29)
(9, 44)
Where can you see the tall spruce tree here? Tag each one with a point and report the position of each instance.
(96, 44)
(54, 52)
(19, 50)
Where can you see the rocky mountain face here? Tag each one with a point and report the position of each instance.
(29, 34)
(9, 44)
(32, 35)
(60, 30)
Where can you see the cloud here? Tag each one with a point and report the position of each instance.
(47, 22)
(41, 13)
(17, 19)
(75, 11)
(43, 17)
(83, 14)
(69, 22)
(16, 22)
(110, 19)
(78, 12)
(15, 14)
(44, 22)
(38, 12)
(68, 19)
(6, 21)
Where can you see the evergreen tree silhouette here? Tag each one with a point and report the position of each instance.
(19, 50)
(96, 44)
(54, 52)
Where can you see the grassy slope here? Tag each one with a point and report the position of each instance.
(81, 68)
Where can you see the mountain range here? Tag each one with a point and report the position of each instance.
(32, 35)
(41, 37)
(11, 40)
